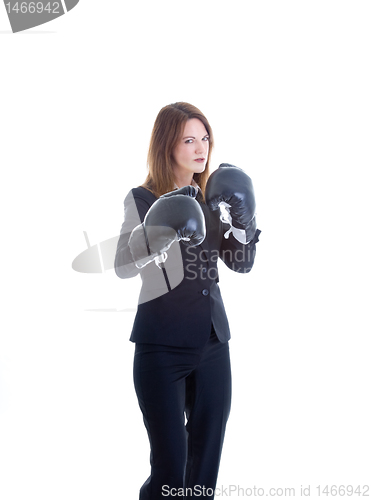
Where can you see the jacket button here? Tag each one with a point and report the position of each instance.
(205, 292)
(204, 269)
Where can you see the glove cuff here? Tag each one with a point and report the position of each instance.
(139, 247)
(243, 235)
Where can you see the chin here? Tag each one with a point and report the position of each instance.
(199, 168)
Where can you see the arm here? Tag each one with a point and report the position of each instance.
(237, 256)
(230, 189)
(149, 231)
(134, 213)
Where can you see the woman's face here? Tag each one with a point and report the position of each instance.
(190, 154)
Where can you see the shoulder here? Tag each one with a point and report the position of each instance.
(139, 200)
(144, 194)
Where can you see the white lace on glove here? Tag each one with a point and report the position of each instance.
(225, 217)
(161, 259)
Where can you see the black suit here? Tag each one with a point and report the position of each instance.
(181, 362)
(183, 316)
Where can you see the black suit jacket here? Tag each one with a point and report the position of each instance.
(179, 306)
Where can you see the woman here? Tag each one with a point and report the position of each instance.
(173, 238)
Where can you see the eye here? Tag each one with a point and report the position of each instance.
(189, 141)
(206, 138)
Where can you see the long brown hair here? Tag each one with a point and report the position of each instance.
(166, 133)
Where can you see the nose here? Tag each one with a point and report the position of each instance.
(202, 147)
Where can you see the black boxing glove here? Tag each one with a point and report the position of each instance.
(175, 216)
(230, 189)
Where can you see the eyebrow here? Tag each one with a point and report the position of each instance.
(191, 137)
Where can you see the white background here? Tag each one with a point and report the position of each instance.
(286, 88)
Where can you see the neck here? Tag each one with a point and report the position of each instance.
(182, 181)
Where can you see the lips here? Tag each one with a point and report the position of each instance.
(200, 160)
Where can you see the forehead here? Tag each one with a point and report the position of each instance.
(194, 127)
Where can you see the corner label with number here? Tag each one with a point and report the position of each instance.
(28, 14)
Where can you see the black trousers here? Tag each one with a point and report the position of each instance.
(172, 383)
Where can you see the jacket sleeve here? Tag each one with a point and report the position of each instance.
(237, 256)
(135, 210)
